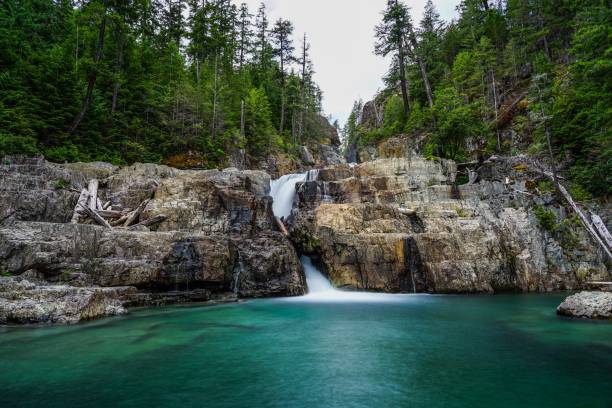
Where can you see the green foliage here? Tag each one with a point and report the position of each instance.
(11, 144)
(546, 218)
(61, 184)
(480, 65)
(458, 121)
(6, 274)
(65, 153)
(164, 84)
(546, 186)
(260, 134)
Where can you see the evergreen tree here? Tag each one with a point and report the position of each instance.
(283, 50)
(391, 36)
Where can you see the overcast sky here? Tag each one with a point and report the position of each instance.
(342, 39)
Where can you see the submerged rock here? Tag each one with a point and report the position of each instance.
(587, 305)
(24, 302)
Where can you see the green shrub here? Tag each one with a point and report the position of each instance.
(546, 218)
(61, 184)
(6, 274)
(64, 153)
(579, 193)
(546, 186)
(11, 144)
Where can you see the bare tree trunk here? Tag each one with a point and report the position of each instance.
(496, 110)
(242, 124)
(214, 116)
(92, 75)
(404, 81)
(282, 119)
(76, 52)
(423, 68)
(119, 67)
(303, 90)
(282, 61)
(548, 138)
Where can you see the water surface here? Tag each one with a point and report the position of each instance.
(410, 351)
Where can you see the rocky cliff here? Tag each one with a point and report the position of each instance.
(394, 223)
(217, 241)
(400, 223)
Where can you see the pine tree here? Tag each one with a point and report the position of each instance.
(245, 34)
(391, 36)
(283, 50)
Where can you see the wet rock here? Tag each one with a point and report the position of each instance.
(23, 302)
(587, 305)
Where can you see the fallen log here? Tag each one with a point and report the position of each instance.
(133, 217)
(584, 219)
(76, 215)
(506, 116)
(107, 206)
(281, 226)
(93, 194)
(120, 221)
(406, 211)
(112, 214)
(150, 222)
(96, 217)
(602, 229)
(568, 197)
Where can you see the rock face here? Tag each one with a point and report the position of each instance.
(218, 238)
(401, 224)
(23, 302)
(588, 305)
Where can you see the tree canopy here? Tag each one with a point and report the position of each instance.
(126, 81)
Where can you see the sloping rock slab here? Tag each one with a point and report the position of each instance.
(24, 302)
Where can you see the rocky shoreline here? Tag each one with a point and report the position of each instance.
(395, 223)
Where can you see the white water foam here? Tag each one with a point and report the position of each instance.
(283, 192)
(320, 288)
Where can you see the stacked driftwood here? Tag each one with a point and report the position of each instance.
(91, 208)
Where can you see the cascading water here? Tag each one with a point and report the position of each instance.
(320, 288)
(283, 193)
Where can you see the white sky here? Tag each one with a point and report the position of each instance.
(341, 33)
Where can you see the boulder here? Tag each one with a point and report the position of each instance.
(587, 305)
(306, 156)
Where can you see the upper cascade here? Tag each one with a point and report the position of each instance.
(283, 191)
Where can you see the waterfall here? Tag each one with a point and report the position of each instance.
(283, 193)
(317, 283)
(320, 288)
